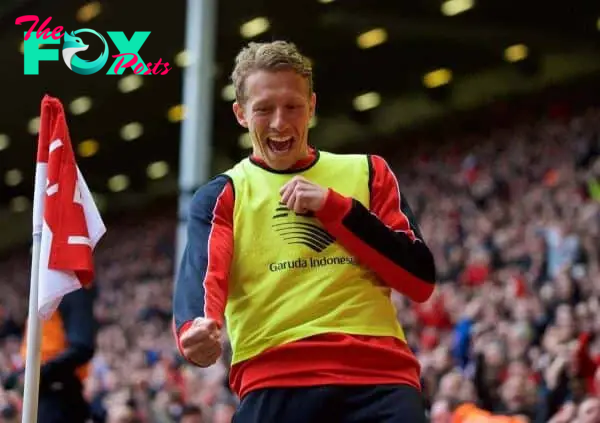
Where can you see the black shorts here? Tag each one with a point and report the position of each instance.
(333, 404)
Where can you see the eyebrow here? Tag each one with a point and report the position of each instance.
(260, 103)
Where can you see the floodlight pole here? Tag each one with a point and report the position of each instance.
(196, 130)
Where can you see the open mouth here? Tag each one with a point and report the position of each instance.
(280, 145)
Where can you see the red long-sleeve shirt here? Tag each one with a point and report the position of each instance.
(586, 365)
(385, 238)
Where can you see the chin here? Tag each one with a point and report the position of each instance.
(281, 163)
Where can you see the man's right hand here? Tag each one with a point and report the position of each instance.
(201, 342)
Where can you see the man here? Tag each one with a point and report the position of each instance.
(68, 344)
(589, 410)
(297, 250)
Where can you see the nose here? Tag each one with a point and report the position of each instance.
(278, 121)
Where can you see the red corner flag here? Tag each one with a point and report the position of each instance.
(64, 213)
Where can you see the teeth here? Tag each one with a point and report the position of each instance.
(280, 139)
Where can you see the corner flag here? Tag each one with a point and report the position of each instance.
(63, 211)
(66, 228)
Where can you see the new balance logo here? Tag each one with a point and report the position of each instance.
(300, 232)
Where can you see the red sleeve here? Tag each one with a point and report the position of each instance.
(387, 203)
(586, 367)
(201, 289)
(220, 255)
(385, 238)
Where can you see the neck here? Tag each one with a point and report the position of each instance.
(257, 154)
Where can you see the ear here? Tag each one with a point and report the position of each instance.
(313, 104)
(238, 111)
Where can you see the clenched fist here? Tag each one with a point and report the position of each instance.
(301, 196)
(201, 343)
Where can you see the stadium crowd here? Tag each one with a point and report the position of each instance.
(513, 327)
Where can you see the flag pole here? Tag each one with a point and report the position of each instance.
(54, 275)
(32, 360)
(34, 323)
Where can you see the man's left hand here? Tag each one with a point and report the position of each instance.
(301, 196)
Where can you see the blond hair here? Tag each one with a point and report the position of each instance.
(273, 56)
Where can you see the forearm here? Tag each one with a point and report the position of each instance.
(63, 367)
(201, 288)
(199, 292)
(404, 264)
(77, 313)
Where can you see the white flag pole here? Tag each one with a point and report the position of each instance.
(34, 332)
(32, 360)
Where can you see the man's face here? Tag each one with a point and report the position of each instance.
(589, 411)
(277, 111)
(514, 392)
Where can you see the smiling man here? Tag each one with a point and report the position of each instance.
(295, 252)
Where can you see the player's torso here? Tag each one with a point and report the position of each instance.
(270, 239)
(289, 277)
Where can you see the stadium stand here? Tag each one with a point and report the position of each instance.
(512, 330)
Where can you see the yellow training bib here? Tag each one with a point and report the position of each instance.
(289, 278)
